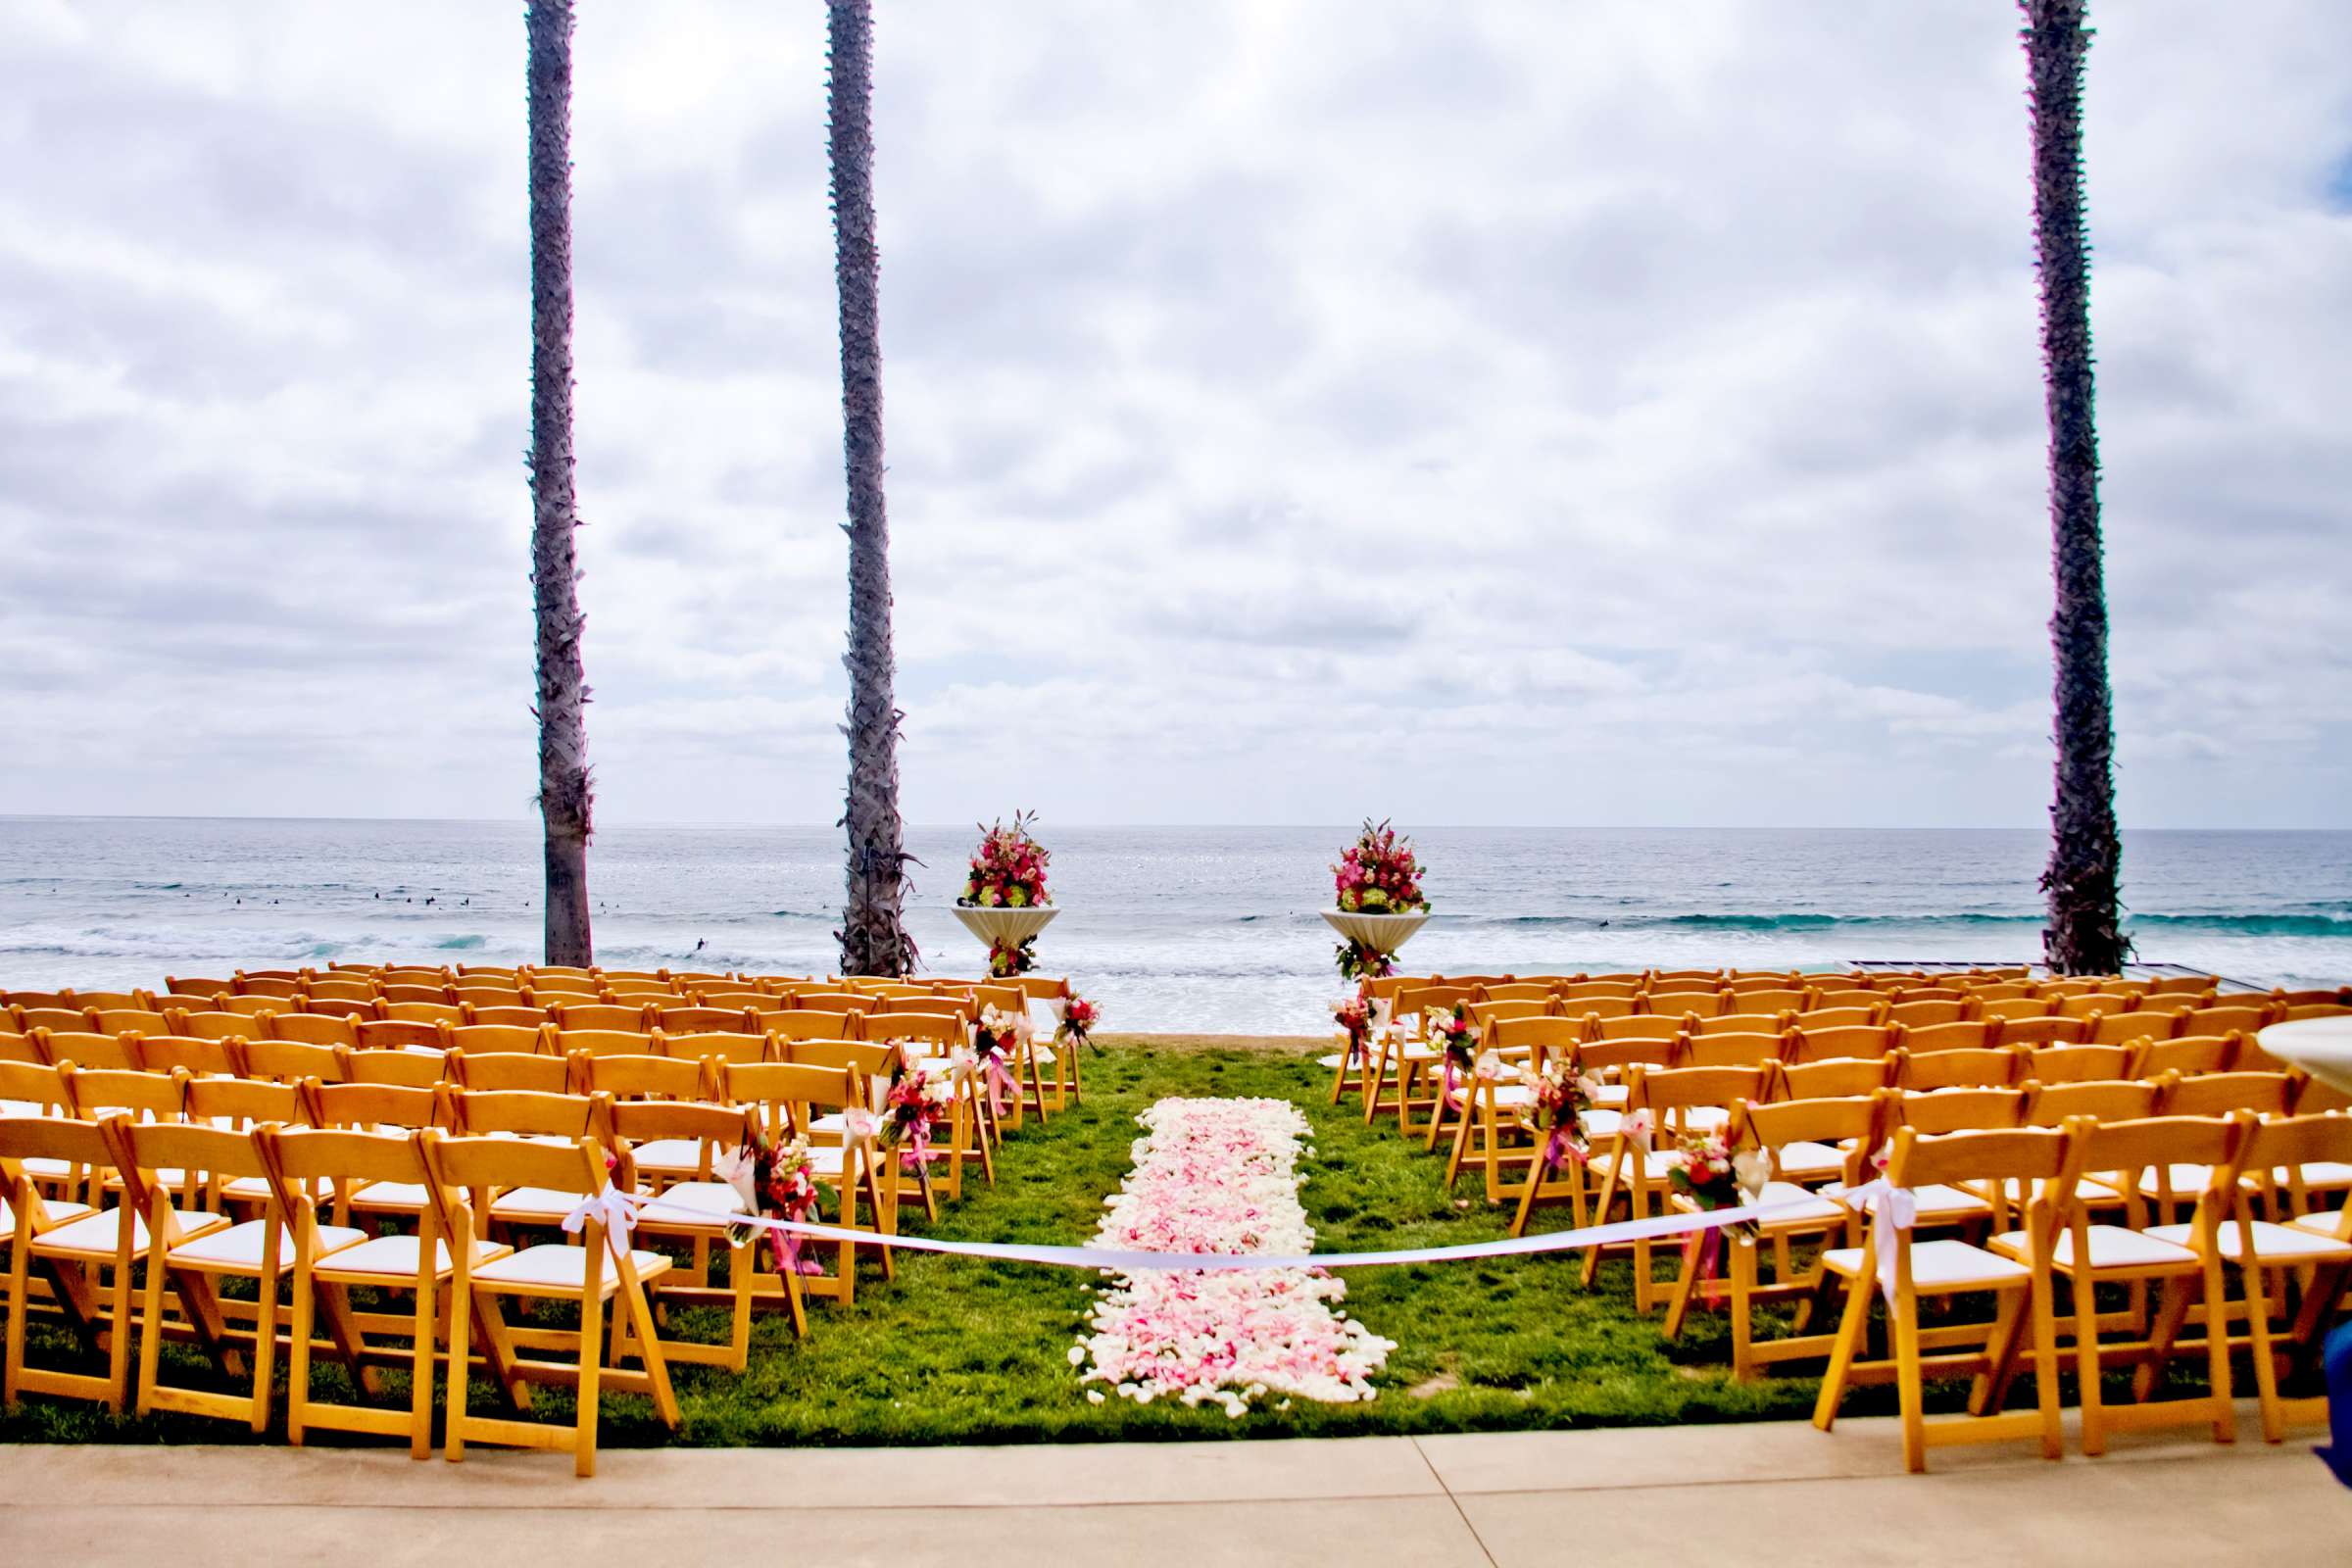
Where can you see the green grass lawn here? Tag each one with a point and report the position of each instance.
(959, 1351)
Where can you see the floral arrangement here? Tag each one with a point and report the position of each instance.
(1076, 1022)
(1354, 1015)
(777, 1180)
(1380, 874)
(1455, 1034)
(1561, 1097)
(995, 1038)
(1220, 1176)
(917, 1103)
(1009, 869)
(1704, 1170)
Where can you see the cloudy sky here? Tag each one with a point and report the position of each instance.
(1487, 413)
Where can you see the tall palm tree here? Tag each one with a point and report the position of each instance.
(2085, 930)
(873, 932)
(564, 791)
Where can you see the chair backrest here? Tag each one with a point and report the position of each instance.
(832, 1001)
(143, 1148)
(2292, 1142)
(1591, 990)
(2017, 1006)
(2023, 1154)
(127, 1020)
(1583, 1007)
(874, 1062)
(2108, 1099)
(647, 1077)
(2045, 1031)
(64, 1021)
(414, 1067)
(1838, 1000)
(1486, 1014)
(2187, 1056)
(189, 986)
(719, 1129)
(921, 1001)
(164, 1052)
(255, 1005)
(260, 984)
(571, 1017)
(1671, 1091)
(1920, 1014)
(94, 1092)
(920, 1027)
(503, 1039)
(1837, 1078)
(1515, 990)
(714, 1044)
(1982, 1068)
(392, 1034)
(1774, 1124)
(468, 1168)
(366, 1106)
(1768, 998)
(285, 1061)
(1742, 1023)
(313, 1029)
(30, 1083)
(811, 1023)
(427, 1012)
(1943, 1110)
(1967, 1035)
(732, 998)
(473, 1112)
(243, 1101)
(1599, 1056)
(75, 1143)
(1684, 1003)
(503, 1070)
(1639, 1026)
(435, 993)
(1414, 1000)
(2073, 1065)
(550, 987)
(84, 1049)
(1825, 1043)
(2217, 1020)
(790, 1091)
(1731, 1050)
(605, 1041)
(214, 1024)
(706, 1020)
(2217, 1093)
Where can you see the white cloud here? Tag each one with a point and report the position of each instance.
(1609, 413)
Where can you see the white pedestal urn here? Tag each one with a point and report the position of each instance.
(1005, 926)
(1383, 934)
(2320, 1046)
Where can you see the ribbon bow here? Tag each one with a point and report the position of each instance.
(1890, 1208)
(612, 1208)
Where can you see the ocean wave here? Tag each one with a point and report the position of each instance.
(463, 943)
(2208, 922)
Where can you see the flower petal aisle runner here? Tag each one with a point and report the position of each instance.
(1221, 1176)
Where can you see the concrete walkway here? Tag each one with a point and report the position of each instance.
(1777, 1494)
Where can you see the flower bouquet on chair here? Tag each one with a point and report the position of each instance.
(1379, 901)
(995, 1039)
(1003, 901)
(1561, 1097)
(1704, 1170)
(1455, 1034)
(778, 1180)
(1074, 1020)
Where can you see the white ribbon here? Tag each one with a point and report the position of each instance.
(1127, 1262)
(615, 1210)
(1890, 1208)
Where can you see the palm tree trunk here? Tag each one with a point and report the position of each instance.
(2085, 931)
(564, 792)
(873, 934)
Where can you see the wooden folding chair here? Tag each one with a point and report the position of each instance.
(1810, 1128)
(1678, 1104)
(714, 1132)
(603, 1271)
(88, 1259)
(789, 1098)
(2087, 1254)
(1946, 1268)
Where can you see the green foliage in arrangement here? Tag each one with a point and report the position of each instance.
(965, 1351)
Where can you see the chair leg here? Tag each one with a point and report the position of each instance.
(592, 1350)
(2258, 1328)
(264, 1323)
(1858, 1292)
(2045, 1364)
(460, 1349)
(2087, 1392)
(1908, 1381)
(2217, 1351)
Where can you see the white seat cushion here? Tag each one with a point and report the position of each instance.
(2111, 1246)
(1808, 1162)
(394, 1258)
(832, 1122)
(1609, 1094)
(2271, 1242)
(250, 1189)
(1602, 1123)
(560, 1267)
(1938, 1266)
(667, 1154)
(239, 1247)
(1705, 1118)
(1507, 1096)
(2323, 1224)
(2327, 1175)
(1937, 1201)
(542, 1205)
(2187, 1181)
(59, 1213)
(719, 1201)
(96, 1234)
(43, 1168)
(398, 1197)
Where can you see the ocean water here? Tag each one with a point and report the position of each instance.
(1169, 928)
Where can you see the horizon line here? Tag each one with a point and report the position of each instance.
(1442, 827)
